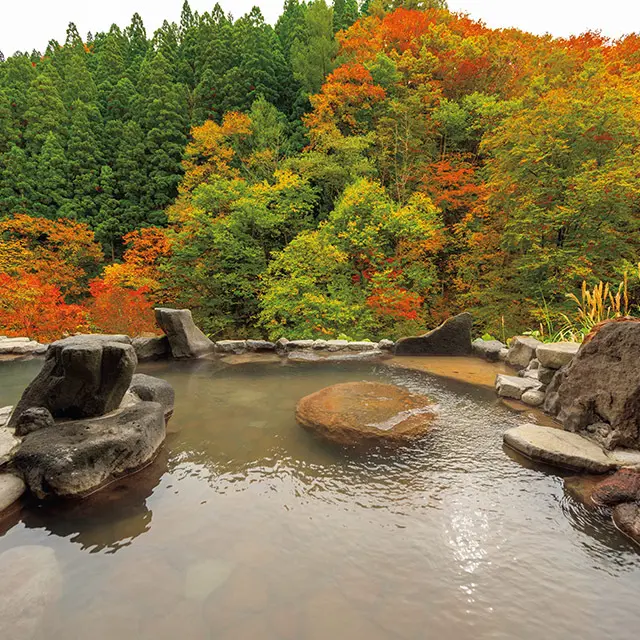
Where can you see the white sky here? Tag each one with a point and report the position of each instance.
(28, 25)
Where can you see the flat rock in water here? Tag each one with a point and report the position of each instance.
(11, 488)
(356, 413)
(451, 338)
(231, 346)
(31, 584)
(559, 448)
(260, 345)
(329, 356)
(76, 458)
(185, 339)
(82, 377)
(514, 386)
(153, 389)
(522, 351)
(555, 355)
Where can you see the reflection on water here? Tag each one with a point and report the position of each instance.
(247, 526)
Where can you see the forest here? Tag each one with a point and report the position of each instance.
(357, 170)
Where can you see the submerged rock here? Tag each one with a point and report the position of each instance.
(522, 351)
(601, 386)
(451, 338)
(557, 354)
(82, 377)
(559, 448)
(154, 348)
(31, 584)
(356, 413)
(626, 517)
(11, 488)
(75, 458)
(622, 486)
(185, 339)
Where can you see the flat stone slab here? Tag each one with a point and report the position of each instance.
(11, 488)
(356, 413)
(5, 414)
(556, 355)
(231, 346)
(559, 448)
(328, 356)
(514, 387)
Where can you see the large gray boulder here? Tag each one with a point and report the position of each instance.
(601, 386)
(151, 389)
(154, 348)
(76, 458)
(556, 355)
(185, 339)
(522, 351)
(488, 349)
(82, 377)
(451, 338)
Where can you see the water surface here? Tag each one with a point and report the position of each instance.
(248, 527)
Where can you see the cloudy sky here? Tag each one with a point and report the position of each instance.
(29, 25)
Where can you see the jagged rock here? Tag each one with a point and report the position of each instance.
(488, 349)
(362, 346)
(513, 386)
(602, 385)
(260, 345)
(503, 355)
(622, 486)
(151, 389)
(151, 348)
(337, 345)
(32, 419)
(451, 338)
(31, 585)
(76, 458)
(356, 413)
(557, 354)
(532, 374)
(626, 517)
(82, 377)
(534, 365)
(231, 346)
(559, 448)
(533, 397)
(11, 488)
(386, 345)
(522, 351)
(185, 339)
(281, 344)
(546, 375)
